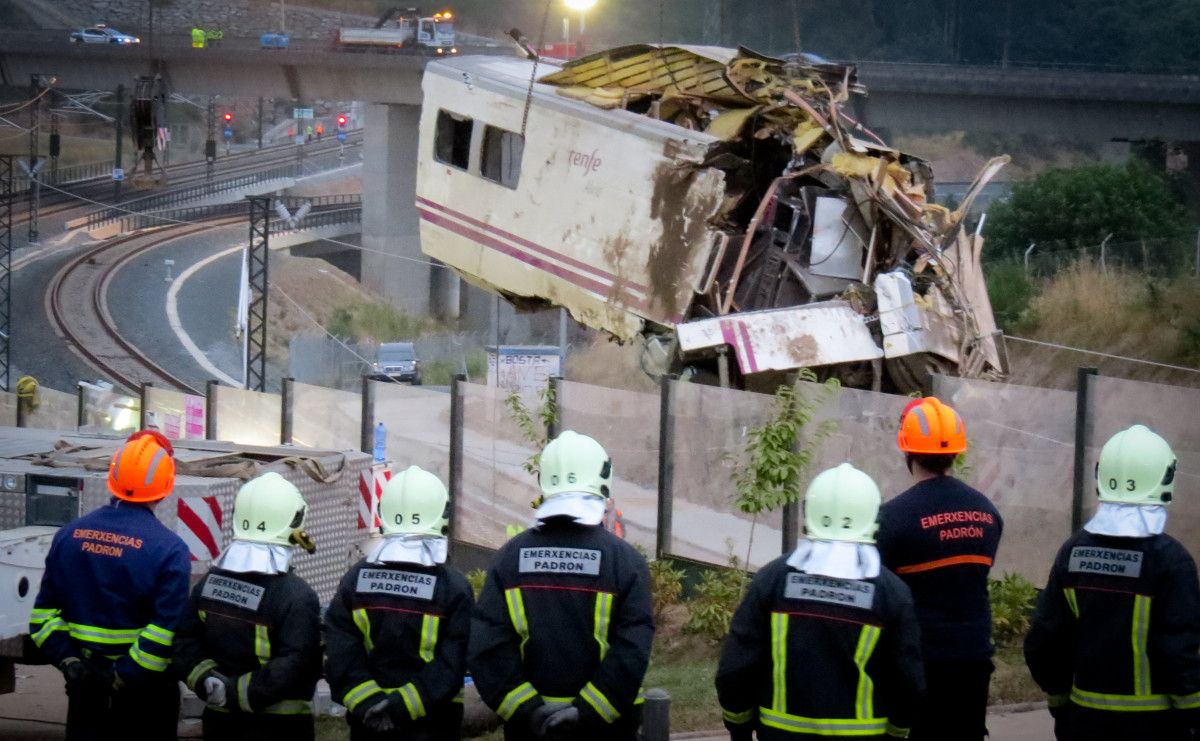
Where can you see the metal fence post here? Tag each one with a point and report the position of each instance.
(80, 408)
(1083, 375)
(287, 400)
(555, 425)
(656, 715)
(366, 423)
(455, 475)
(791, 527)
(210, 410)
(666, 468)
(142, 416)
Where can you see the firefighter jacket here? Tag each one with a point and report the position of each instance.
(1117, 627)
(564, 616)
(115, 584)
(941, 537)
(811, 655)
(262, 632)
(401, 628)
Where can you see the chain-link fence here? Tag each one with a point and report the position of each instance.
(1163, 257)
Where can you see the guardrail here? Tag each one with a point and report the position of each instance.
(315, 219)
(65, 175)
(200, 190)
(326, 210)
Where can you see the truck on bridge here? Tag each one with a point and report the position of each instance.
(709, 203)
(411, 31)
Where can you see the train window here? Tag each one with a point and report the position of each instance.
(452, 140)
(502, 152)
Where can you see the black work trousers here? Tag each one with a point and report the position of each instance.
(146, 711)
(1073, 723)
(230, 726)
(956, 696)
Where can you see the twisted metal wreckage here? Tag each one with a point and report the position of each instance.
(788, 234)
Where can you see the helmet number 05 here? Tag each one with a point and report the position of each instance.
(262, 526)
(1130, 485)
(415, 518)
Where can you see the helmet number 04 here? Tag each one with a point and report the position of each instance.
(415, 518)
(262, 526)
(1130, 485)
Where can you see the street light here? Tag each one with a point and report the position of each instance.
(583, 6)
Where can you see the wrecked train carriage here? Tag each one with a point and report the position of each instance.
(711, 201)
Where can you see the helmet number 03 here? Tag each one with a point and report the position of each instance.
(262, 526)
(1130, 485)
(415, 518)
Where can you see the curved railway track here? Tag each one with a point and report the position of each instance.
(77, 306)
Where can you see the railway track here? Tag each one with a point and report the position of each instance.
(77, 306)
(186, 173)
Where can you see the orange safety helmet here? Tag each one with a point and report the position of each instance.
(142, 470)
(929, 426)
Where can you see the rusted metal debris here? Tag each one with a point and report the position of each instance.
(715, 202)
(842, 210)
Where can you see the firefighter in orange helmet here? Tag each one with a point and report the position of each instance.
(115, 584)
(940, 536)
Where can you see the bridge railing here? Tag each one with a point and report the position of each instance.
(163, 200)
(66, 175)
(326, 210)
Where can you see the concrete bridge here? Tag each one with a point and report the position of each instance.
(902, 97)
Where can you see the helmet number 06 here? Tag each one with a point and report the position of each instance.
(415, 518)
(262, 526)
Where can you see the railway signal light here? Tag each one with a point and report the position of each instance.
(228, 118)
(342, 121)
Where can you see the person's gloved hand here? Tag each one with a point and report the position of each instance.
(216, 689)
(539, 718)
(378, 718)
(77, 672)
(561, 724)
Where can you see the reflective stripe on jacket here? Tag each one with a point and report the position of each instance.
(813, 656)
(564, 615)
(1117, 628)
(261, 631)
(115, 585)
(400, 629)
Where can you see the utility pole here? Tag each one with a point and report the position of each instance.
(118, 170)
(260, 121)
(726, 24)
(55, 148)
(282, 17)
(35, 108)
(6, 198)
(257, 256)
(1006, 49)
(210, 145)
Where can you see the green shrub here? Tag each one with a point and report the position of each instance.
(710, 611)
(1009, 290)
(378, 322)
(1012, 598)
(666, 587)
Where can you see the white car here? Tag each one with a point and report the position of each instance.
(103, 35)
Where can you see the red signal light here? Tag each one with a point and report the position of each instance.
(341, 122)
(228, 117)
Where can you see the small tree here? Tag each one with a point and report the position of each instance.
(1080, 206)
(535, 424)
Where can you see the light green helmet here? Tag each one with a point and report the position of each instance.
(1136, 466)
(842, 503)
(574, 463)
(268, 509)
(414, 502)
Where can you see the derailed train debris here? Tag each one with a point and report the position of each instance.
(715, 202)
